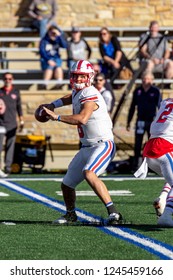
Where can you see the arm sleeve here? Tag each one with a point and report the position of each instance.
(132, 109)
(62, 41)
(101, 49)
(31, 9)
(89, 94)
(19, 105)
(159, 99)
(69, 52)
(88, 49)
(108, 99)
(54, 11)
(116, 43)
(42, 49)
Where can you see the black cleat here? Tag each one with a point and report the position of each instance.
(69, 217)
(115, 219)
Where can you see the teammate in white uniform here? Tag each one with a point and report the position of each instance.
(158, 155)
(95, 131)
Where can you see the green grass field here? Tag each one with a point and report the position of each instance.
(27, 232)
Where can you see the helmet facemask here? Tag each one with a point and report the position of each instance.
(81, 67)
(85, 83)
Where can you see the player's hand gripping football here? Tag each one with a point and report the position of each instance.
(51, 114)
(40, 113)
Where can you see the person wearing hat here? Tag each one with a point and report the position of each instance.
(78, 48)
(43, 14)
(51, 62)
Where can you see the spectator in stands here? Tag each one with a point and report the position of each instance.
(114, 59)
(10, 107)
(51, 61)
(99, 83)
(78, 48)
(97, 70)
(154, 48)
(146, 99)
(43, 13)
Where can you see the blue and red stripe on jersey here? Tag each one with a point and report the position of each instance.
(90, 98)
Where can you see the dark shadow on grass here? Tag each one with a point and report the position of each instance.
(25, 222)
(101, 223)
(140, 227)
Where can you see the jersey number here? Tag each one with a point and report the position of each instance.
(163, 117)
(80, 131)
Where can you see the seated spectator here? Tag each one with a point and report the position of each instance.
(43, 13)
(51, 62)
(154, 49)
(114, 59)
(99, 83)
(78, 48)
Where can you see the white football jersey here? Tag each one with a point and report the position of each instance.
(162, 126)
(99, 126)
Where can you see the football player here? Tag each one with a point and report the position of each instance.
(158, 156)
(95, 132)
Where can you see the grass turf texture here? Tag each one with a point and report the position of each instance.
(34, 237)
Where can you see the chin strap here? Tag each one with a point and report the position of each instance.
(79, 86)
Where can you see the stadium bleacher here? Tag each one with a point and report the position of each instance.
(19, 54)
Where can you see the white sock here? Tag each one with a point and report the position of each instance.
(166, 189)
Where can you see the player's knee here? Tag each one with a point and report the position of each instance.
(65, 188)
(88, 174)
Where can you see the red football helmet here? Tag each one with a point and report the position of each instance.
(81, 67)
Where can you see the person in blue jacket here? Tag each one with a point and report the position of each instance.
(51, 62)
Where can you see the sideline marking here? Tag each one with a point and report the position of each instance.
(104, 178)
(92, 193)
(153, 246)
(4, 194)
(8, 223)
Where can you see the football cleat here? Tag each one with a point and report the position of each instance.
(114, 219)
(159, 205)
(69, 217)
(165, 220)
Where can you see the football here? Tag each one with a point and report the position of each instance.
(41, 115)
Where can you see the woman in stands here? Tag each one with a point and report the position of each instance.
(113, 57)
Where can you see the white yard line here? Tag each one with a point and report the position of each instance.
(104, 178)
(148, 244)
(91, 193)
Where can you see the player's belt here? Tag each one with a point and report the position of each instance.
(97, 142)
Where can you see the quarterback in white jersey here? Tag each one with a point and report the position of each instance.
(158, 155)
(99, 125)
(95, 132)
